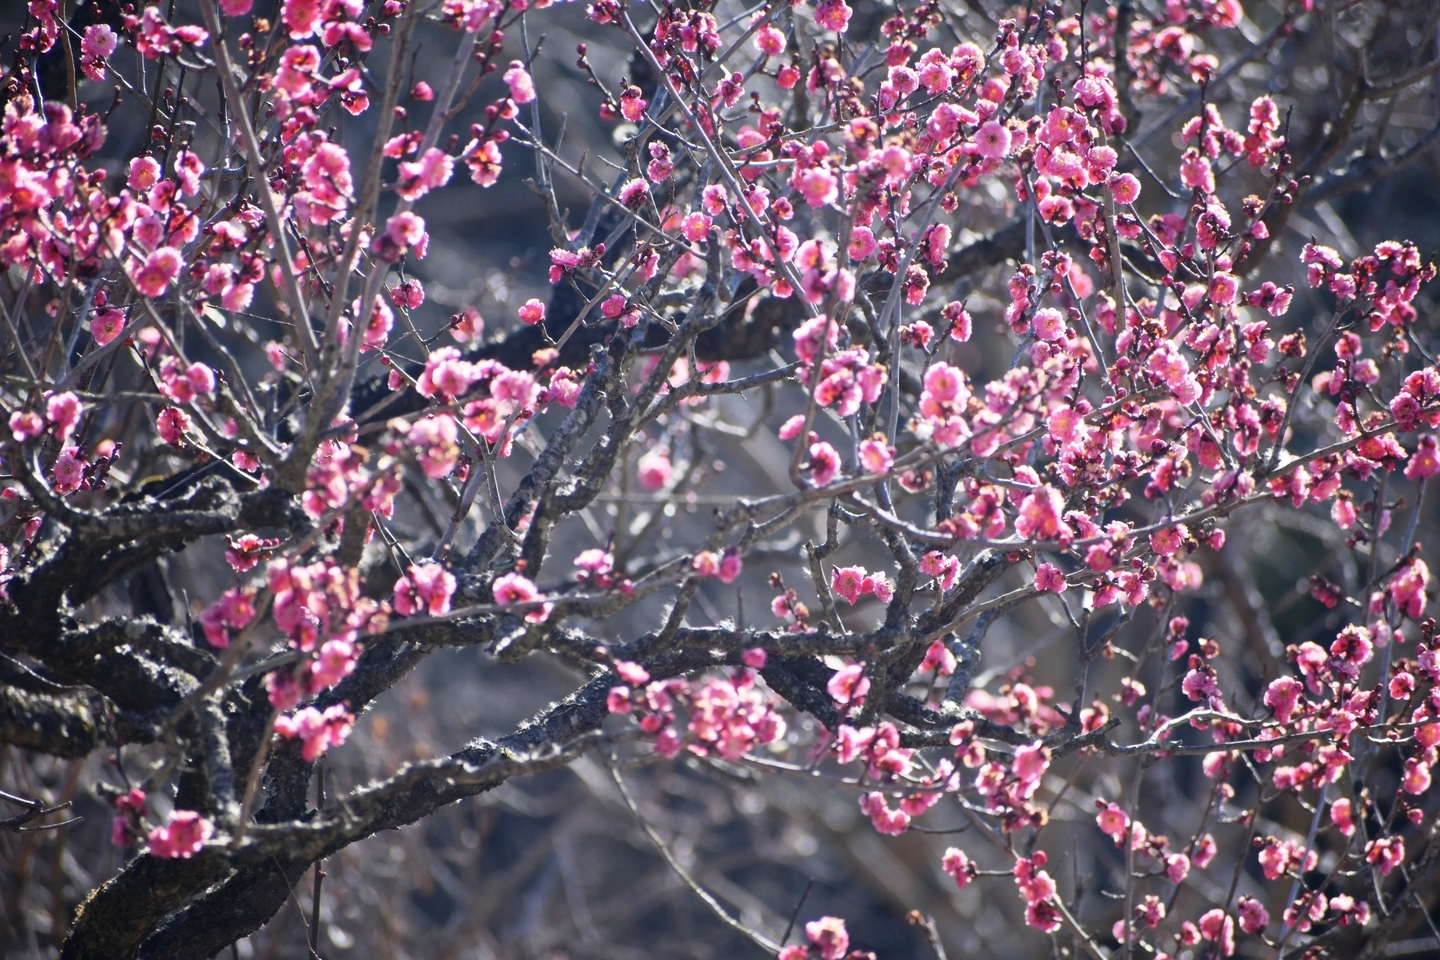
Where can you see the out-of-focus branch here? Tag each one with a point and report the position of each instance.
(1367, 171)
(61, 726)
(290, 278)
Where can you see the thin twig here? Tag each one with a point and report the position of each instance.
(764, 942)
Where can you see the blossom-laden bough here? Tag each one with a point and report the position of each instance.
(240, 306)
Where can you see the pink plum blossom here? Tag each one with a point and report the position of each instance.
(182, 837)
(1114, 821)
(318, 731)
(992, 140)
(430, 172)
(829, 936)
(849, 684)
(833, 15)
(158, 271)
(848, 582)
(517, 588)
(517, 78)
(1050, 577)
(824, 463)
(425, 588)
(654, 469)
(172, 425)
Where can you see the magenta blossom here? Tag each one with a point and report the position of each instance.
(517, 588)
(517, 78)
(849, 684)
(425, 588)
(317, 731)
(181, 838)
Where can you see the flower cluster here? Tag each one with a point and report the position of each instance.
(318, 731)
(827, 938)
(729, 716)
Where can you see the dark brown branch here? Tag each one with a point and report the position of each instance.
(63, 726)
